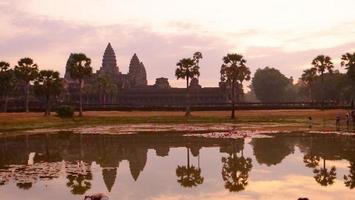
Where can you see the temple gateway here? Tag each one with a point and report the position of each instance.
(109, 86)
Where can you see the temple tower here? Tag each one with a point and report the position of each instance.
(137, 74)
(109, 62)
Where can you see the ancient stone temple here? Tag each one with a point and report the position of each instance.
(137, 75)
(109, 63)
(132, 89)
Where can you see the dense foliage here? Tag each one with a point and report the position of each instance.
(48, 85)
(270, 85)
(65, 111)
(7, 82)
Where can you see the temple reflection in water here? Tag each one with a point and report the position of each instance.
(27, 160)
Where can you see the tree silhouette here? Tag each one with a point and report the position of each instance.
(78, 178)
(311, 161)
(79, 183)
(234, 72)
(349, 179)
(7, 82)
(271, 156)
(324, 176)
(348, 61)
(322, 64)
(105, 88)
(79, 68)
(24, 186)
(270, 85)
(48, 84)
(235, 171)
(189, 175)
(26, 71)
(308, 76)
(188, 68)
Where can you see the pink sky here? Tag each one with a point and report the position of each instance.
(278, 33)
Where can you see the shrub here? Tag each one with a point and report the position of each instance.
(65, 111)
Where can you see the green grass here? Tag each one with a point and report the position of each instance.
(16, 122)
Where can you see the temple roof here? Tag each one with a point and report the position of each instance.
(109, 59)
(109, 176)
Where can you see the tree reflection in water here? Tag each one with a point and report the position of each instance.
(311, 161)
(189, 175)
(24, 186)
(79, 176)
(349, 179)
(75, 153)
(235, 170)
(325, 176)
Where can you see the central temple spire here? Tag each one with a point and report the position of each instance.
(109, 62)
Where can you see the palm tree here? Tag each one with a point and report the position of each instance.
(322, 64)
(197, 57)
(7, 82)
(26, 71)
(348, 61)
(79, 68)
(311, 161)
(235, 170)
(349, 179)
(48, 84)
(324, 176)
(79, 177)
(189, 175)
(234, 72)
(79, 183)
(188, 68)
(308, 76)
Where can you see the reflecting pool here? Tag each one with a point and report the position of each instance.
(176, 166)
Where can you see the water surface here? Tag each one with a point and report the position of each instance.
(173, 166)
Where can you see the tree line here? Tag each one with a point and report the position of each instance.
(319, 83)
(46, 84)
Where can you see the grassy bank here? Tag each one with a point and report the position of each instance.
(27, 121)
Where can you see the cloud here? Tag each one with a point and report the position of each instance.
(49, 37)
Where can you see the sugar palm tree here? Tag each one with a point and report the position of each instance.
(26, 71)
(323, 64)
(349, 179)
(311, 161)
(188, 68)
(79, 68)
(348, 61)
(308, 76)
(7, 82)
(197, 57)
(189, 175)
(325, 176)
(234, 72)
(48, 84)
(235, 170)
